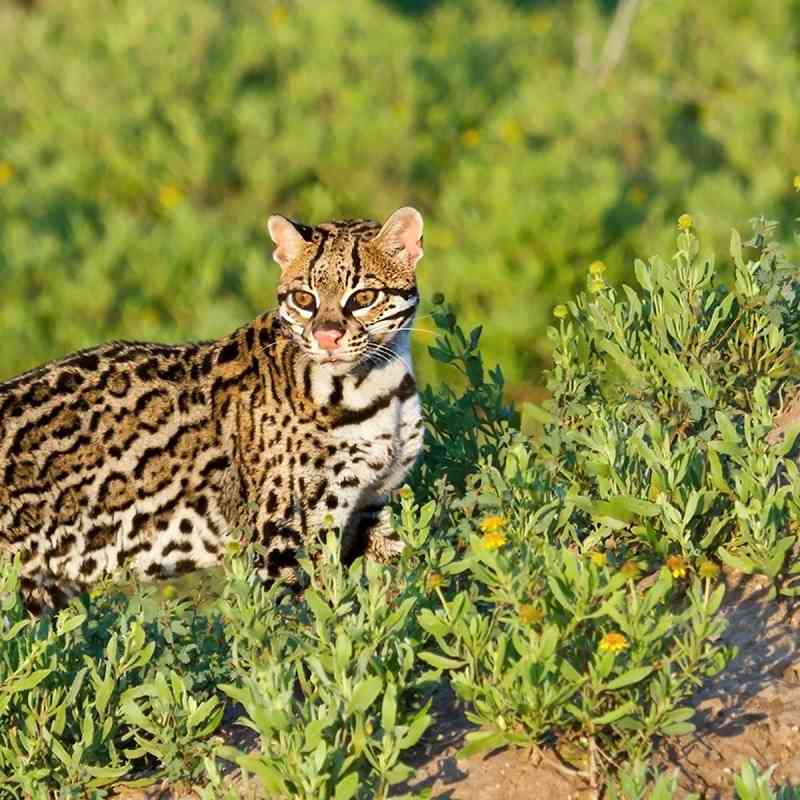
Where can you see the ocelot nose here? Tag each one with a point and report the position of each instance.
(328, 338)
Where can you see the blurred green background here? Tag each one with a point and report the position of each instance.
(144, 142)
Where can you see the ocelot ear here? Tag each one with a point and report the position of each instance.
(289, 236)
(400, 238)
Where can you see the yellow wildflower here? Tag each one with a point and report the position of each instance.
(677, 566)
(6, 172)
(685, 222)
(278, 16)
(471, 137)
(511, 132)
(541, 23)
(493, 540)
(597, 286)
(407, 493)
(435, 581)
(597, 268)
(169, 196)
(560, 311)
(529, 614)
(630, 569)
(170, 592)
(613, 642)
(796, 183)
(598, 559)
(708, 569)
(493, 523)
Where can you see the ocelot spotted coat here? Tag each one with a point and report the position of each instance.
(155, 456)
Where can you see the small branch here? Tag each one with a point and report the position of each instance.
(538, 756)
(593, 767)
(617, 39)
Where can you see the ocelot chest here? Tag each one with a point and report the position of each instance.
(372, 439)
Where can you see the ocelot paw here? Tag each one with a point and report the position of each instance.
(383, 549)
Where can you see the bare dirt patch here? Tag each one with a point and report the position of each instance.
(751, 710)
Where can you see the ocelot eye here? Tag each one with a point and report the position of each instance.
(362, 298)
(304, 300)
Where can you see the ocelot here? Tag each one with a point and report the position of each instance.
(155, 456)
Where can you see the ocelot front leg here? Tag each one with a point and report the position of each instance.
(372, 532)
(48, 593)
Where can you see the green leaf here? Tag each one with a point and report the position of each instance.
(670, 367)
(570, 673)
(433, 624)
(365, 693)
(321, 610)
(67, 624)
(269, 776)
(105, 775)
(28, 682)
(742, 563)
(624, 507)
(625, 364)
(389, 708)
(727, 428)
(415, 731)
(60, 752)
(133, 715)
(615, 713)
(104, 690)
(629, 678)
(474, 337)
(202, 712)
(677, 728)
(789, 438)
(480, 742)
(441, 662)
(347, 787)
(715, 601)
(644, 273)
(736, 248)
(560, 595)
(679, 715)
(474, 371)
(237, 693)
(438, 354)
(399, 773)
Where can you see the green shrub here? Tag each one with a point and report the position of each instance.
(652, 460)
(656, 439)
(546, 645)
(327, 683)
(69, 719)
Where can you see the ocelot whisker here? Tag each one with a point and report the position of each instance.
(390, 354)
(418, 330)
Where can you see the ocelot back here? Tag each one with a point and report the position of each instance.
(154, 456)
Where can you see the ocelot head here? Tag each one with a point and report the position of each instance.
(348, 290)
